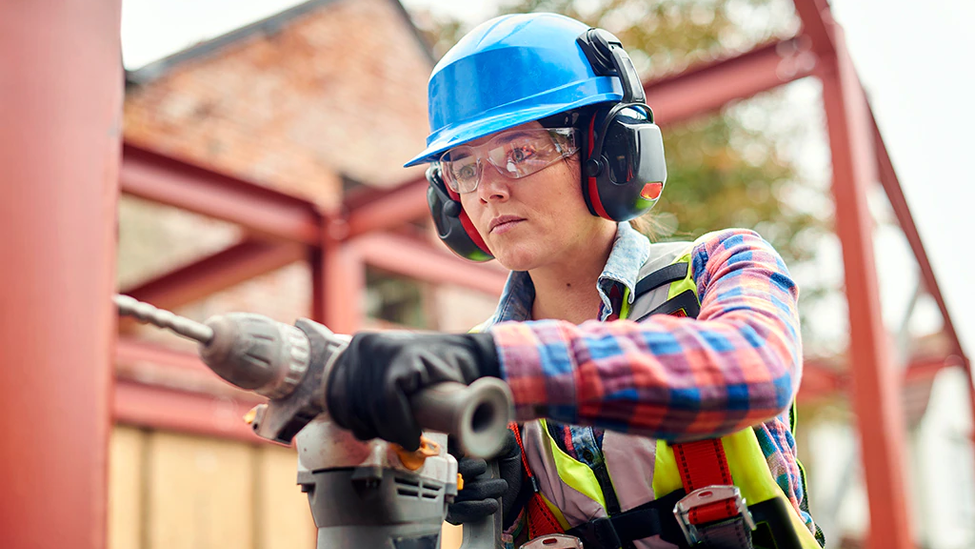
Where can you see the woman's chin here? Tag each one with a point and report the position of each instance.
(517, 260)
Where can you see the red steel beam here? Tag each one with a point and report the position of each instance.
(818, 24)
(892, 187)
(420, 260)
(61, 107)
(876, 388)
(338, 281)
(925, 368)
(155, 177)
(185, 412)
(240, 262)
(161, 388)
(131, 354)
(822, 381)
(971, 391)
(387, 209)
(677, 98)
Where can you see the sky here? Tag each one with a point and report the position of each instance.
(911, 58)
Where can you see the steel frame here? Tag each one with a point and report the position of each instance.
(338, 245)
(347, 242)
(358, 236)
(61, 104)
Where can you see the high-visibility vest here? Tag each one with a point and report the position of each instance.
(643, 469)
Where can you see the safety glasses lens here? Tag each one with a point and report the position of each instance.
(462, 169)
(517, 153)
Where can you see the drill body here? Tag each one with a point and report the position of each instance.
(361, 493)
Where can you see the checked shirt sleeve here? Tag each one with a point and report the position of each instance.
(737, 365)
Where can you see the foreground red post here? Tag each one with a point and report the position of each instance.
(876, 401)
(60, 106)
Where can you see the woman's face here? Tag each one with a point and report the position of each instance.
(537, 220)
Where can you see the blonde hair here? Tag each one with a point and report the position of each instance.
(648, 225)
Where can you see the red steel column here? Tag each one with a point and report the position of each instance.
(971, 394)
(60, 118)
(338, 280)
(876, 380)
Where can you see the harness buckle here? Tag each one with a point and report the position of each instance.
(705, 496)
(554, 541)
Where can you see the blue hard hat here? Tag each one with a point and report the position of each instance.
(508, 71)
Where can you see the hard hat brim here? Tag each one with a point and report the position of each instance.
(459, 134)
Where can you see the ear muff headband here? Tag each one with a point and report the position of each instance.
(608, 58)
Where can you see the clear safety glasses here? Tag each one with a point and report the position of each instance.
(514, 153)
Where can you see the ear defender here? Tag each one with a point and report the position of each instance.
(453, 226)
(624, 171)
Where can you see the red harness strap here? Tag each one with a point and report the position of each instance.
(541, 519)
(703, 463)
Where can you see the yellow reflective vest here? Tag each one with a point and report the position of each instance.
(643, 469)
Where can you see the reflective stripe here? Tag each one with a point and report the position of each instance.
(752, 477)
(574, 473)
(625, 305)
(677, 288)
(666, 479)
(575, 506)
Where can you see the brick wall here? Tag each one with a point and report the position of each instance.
(339, 90)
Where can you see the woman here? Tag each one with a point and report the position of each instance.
(628, 361)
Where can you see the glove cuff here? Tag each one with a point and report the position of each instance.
(489, 365)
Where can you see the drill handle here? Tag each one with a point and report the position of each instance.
(475, 415)
(485, 533)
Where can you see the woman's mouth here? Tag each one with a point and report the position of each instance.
(504, 223)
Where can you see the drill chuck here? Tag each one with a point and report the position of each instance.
(290, 365)
(256, 353)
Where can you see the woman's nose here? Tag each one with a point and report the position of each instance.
(493, 185)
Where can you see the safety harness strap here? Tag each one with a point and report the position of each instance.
(711, 521)
(541, 519)
(650, 519)
(713, 513)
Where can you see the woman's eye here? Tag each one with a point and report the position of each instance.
(466, 172)
(521, 153)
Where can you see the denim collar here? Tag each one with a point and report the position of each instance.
(631, 250)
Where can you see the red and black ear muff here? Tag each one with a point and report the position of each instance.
(624, 171)
(454, 227)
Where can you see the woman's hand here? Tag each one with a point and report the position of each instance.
(479, 498)
(369, 388)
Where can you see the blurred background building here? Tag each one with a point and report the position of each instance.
(261, 171)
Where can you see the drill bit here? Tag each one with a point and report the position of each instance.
(144, 312)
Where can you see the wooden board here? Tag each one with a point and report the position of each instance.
(200, 493)
(286, 521)
(125, 483)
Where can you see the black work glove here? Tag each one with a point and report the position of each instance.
(371, 383)
(479, 498)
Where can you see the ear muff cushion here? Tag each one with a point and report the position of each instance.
(625, 172)
(468, 225)
(592, 187)
(453, 226)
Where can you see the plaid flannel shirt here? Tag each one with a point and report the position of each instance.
(737, 365)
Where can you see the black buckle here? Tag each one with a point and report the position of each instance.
(602, 532)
